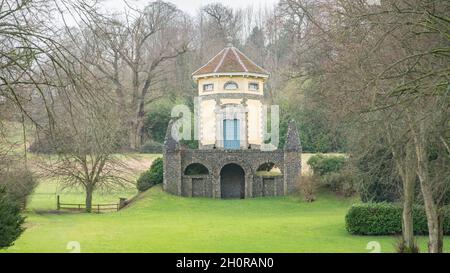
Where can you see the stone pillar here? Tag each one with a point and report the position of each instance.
(292, 159)
(248, 185)
(216, 193)
(172, 163)
(188, 186)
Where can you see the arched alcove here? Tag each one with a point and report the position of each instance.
(196, 169)
(268, 169)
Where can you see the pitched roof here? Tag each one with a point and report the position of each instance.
(230, 60)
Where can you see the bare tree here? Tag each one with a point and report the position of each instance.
(31, 53)
(85, 139)
(429, 128)
(402, 150)
(46, 77)
(225, 22)
(133, 55)
(386, 67)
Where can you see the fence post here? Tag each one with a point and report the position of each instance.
(58, 207)
(122, 203)
(98, 208)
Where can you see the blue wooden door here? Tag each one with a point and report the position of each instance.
(231, 134)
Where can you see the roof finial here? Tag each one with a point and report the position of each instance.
(229, 41)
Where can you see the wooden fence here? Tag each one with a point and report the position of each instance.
(97, 208)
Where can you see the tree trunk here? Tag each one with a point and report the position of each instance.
(407, 217)
(432, 219)
(435, 227)
(122, 110)
(140, 132)
(132, 135)
(441, 232)
(136, 133)
(89, 192)
(137, 125)
(406, 167)
(431, 207)
(409, 182)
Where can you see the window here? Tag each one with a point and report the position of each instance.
(253, 86)
(230, 86)
(208, 87)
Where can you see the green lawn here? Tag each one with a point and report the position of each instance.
(159, 222)
(44, 197)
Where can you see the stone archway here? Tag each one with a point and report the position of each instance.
(196, 169)
(232, 181)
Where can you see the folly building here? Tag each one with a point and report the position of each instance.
(229, 162)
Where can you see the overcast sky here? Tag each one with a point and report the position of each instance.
(190, 6)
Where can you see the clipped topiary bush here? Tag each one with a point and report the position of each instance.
(322, 165)
(386, 219)
(157, 170)
(151, 177)
(144, 182)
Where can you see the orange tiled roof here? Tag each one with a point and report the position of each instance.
(230, 60)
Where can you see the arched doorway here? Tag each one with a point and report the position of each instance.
(232, 181)
(195, 180)
(270, 176)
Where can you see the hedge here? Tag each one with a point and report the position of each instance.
(152, 176)
(322, 165)
(385, 219)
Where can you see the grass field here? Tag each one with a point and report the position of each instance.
(159, 222)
